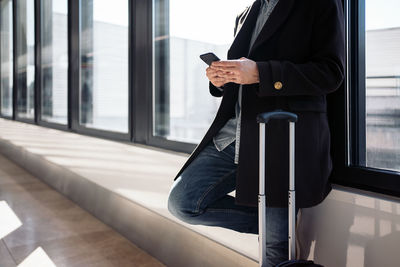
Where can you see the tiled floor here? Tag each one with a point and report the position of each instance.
(68, 235)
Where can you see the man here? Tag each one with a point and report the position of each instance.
(287, 54)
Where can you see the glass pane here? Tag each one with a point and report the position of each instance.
(6, 56)
(183, 29)
(54, 75)
(25, 59)
(383, 84)
(104, 64)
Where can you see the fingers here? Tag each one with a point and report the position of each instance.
(222, 72)
(234, 73)
(211, 72)
(215, 77)
(225, 64)
(230, 66)
(232, 80)
(218, 81)
(226, 69)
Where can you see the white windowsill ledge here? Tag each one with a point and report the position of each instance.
(140, 174)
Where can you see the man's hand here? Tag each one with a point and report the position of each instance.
(215, 76)
(240, 71)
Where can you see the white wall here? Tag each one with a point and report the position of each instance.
(352, 228)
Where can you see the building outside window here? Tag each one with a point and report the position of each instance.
(6, 57)
(382, 46)
(25, 53)
(54, 61)
(183, 108)
(104, 64)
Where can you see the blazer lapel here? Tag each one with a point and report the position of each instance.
(240, 45)
(277, 17)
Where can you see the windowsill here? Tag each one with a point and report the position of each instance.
(138, 173)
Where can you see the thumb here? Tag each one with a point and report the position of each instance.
(243, 58)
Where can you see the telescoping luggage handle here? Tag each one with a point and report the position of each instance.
(263, 119)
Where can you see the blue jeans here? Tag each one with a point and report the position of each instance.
(199, 196)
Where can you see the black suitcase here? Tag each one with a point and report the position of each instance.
(263, 119)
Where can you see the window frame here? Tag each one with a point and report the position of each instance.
(347, 130)
(38, 77)
(349, 126)
(75, 77)
(143, 76)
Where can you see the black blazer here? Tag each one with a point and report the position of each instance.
(300, 57)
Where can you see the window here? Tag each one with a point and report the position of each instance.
(382, 55)
(6, 57)
(150, 50)
(54, 61)
(183, 109)
(368, 156)
(104, 55)
(25, 54)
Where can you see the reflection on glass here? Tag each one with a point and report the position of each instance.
(383, 84)
(6, 57)
(104, 64)
(183, 108)
(54, 42)
(25, 49)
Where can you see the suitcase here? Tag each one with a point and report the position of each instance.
(263, 119)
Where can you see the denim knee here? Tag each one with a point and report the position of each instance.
(173, 206)
(178, 206)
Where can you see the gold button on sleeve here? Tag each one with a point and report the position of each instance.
(278, 85)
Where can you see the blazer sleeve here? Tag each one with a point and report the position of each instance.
(323, 73)
(215, 91)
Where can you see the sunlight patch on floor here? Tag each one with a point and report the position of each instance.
(9, 221)
(37, 258)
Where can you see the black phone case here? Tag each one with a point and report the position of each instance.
(209, 58)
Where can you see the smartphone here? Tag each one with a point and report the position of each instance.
(209, 58)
